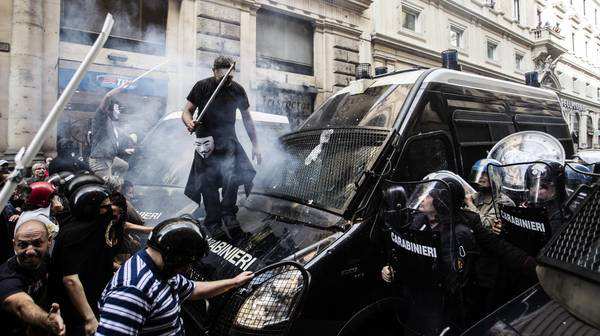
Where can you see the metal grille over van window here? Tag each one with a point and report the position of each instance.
(320, 167)
(577, 247)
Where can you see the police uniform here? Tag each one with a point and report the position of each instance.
(228, 166)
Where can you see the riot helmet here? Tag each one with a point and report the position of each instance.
(41, 195)
(394, 198)
(81, 180)
(545, 182)
(433, 198)
(576, 174)
(180, 242)
(479, 177)
(394, 204)
(85, 202)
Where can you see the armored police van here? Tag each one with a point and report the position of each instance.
(316, 197)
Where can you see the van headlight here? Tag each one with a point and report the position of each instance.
(272, 302)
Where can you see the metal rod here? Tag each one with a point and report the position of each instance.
(214, 94)
(24, 157)
(149, 71)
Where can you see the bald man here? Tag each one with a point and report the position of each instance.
(23, 284)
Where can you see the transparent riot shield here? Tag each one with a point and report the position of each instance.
(527, 146)
(420, 235)
(523, 200)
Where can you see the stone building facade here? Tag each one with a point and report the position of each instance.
(571, 31)
(291, 54)
(502, 39)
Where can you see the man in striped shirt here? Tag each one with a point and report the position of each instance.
(145, 295)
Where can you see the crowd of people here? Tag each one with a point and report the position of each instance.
(64, 240)
(484, 233)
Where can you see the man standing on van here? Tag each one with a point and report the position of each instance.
(219, 159)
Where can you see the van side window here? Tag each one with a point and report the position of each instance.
(477, 131)
(431, 115)
(424, 154)
(554, 126)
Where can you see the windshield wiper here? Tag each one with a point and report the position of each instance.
(334, 228)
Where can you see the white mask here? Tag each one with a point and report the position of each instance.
(205, 146)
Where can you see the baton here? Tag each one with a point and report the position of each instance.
(212, 97)
(149, 71)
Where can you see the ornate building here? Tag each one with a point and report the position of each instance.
(292, 54)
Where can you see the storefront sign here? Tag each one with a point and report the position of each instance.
(571, 106)
(296, 105)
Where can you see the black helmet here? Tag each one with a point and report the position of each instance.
(180, 242)
(545, 181)
(394, 198)
(86, 200)
(457, 192)
(81, 180)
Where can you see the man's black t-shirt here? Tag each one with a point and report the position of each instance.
(219, 120)
(14, 279)
(80, 249)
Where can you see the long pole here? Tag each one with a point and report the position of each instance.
(25, 156)
(149, 71)
(214, 94)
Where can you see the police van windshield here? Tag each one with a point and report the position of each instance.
(320, 164)
(378, 106)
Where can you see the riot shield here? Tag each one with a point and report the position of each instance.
(522, 204)
(527, 146)
(422, 246)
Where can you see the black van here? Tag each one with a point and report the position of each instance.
(315, 199)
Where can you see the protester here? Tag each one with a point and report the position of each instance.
(23, 284)
(135, 301)
(219, 160)
(39, 172)
(106, 136)
(83, 257)
(66, 159)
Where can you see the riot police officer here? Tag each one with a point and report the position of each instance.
(483, 202)
(431, 252)
(546, 185)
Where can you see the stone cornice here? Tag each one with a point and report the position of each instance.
(583, 68)
(326, 25)
(358, 6)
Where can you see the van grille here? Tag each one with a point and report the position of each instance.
(577, 246)
(321, 167)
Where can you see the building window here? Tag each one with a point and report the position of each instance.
(596, 16)
(410, 19)
(518, 61)
(456, 37)
(573, 43)
(588, 90)
(517, 10)
(598, 94)
(586, 49)
(492, 50)
(584, 7)
(140, 25)
(284, 43)
(575, 88)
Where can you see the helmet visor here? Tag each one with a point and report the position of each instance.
(540, 184)
(431, 198)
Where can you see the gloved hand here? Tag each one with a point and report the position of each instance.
(387, 274)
